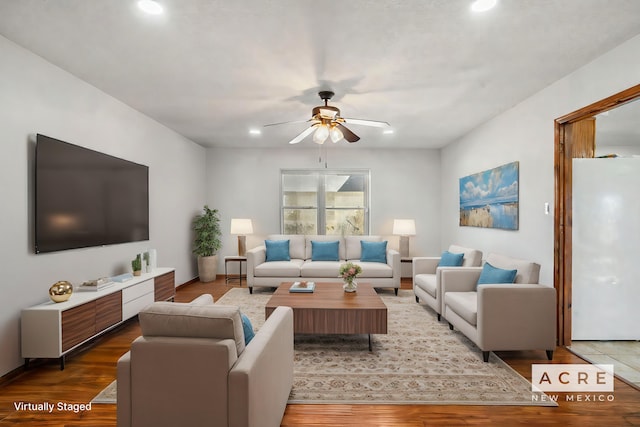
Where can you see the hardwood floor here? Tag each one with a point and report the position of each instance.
(94, 367)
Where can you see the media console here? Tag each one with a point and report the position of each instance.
(51, 330)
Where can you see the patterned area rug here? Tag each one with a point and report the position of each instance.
(419, 361)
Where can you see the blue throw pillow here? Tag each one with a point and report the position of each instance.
(247, 328)
(449, 259)
(325, 251)
(277, 250)
(373, 251)
(491, 274)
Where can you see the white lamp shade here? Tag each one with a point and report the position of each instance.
(241, 226)
(335, 134)
(404, 227)
(321, 134)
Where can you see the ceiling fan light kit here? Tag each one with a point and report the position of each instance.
(321, 134)
(335, 134)
(326, 122)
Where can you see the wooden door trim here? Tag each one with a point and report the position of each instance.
(564, 151)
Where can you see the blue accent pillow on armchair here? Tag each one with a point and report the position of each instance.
(277, 250)
(247, 328)
(449, 259)
(491, 274)
(373, 251)
(325, 251)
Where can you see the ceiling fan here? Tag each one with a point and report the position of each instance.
(326, 122)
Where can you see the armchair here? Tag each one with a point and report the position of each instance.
(427, 276)
(191, 367)
(517, 316)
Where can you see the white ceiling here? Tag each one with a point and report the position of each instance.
(213, 69)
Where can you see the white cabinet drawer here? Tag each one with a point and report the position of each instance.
(134, 292)
(131, 308)
(135, 298)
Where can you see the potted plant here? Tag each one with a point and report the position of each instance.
(207, 243)
(136, 265)
(349, 272)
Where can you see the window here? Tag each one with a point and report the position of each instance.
(325, 202)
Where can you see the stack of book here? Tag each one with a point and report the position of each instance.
(121, 278)
(96, 285)
(302, 287)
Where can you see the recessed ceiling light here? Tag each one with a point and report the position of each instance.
(151, 7)
(388, 131)
(255, 131)
(483, 5)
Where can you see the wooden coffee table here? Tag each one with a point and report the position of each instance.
(331, 310)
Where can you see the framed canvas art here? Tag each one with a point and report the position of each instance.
(489, 198)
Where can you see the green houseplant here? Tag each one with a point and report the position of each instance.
(136, 265)
(208, 234)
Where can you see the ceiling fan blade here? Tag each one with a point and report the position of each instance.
(308, 131)
(347, 134)
(374, 123)
(288, 123)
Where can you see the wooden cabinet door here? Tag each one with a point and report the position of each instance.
(108, 311)
(164, 287)
(78, 324)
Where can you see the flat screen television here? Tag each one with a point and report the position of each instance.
(85, 198)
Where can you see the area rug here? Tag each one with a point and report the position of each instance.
(107, 395)
(419, 361)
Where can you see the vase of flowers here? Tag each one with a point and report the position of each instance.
(349, 272)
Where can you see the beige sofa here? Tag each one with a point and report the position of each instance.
(426, 275)
(517, 316)
(190, 367)
(301, 267)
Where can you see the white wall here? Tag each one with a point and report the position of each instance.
(620, 150)
(245, 183)
(37, 97)
(526, 133)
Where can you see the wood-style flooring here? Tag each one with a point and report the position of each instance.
(94, 367)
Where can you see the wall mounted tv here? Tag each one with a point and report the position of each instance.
(85, 198)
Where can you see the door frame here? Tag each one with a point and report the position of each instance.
(574, 138)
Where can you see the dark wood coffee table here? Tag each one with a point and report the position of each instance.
(331, 310)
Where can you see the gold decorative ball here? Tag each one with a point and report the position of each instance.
(60, 291)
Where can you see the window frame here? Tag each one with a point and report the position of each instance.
(321, 196)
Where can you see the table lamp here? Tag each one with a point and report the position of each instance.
(404, 228)
(241, 227)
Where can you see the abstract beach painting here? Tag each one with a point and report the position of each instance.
(489, 199)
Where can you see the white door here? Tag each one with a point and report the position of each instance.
(606, 249)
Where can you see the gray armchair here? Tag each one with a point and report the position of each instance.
(518, 316)
(426, 276)
(190, 367)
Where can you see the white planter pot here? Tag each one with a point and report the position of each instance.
(207, 268)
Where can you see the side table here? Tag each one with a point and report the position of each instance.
(234, 258)
(403, 261)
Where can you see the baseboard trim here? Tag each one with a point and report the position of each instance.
(188, 282)
(12, 375)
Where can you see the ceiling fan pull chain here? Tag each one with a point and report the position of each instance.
(320, 155)
(325, 157)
